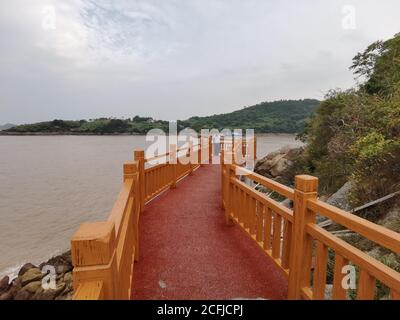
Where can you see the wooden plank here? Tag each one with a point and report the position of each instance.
(276, 262)
(91, 290)
(260, 221)
(276, 237)
(268, 183)
(366, 286)
(339, 293)
(285, 212)
(377, 269)
(376, 233)
(300, 264)
(320, 271)
(253, 222)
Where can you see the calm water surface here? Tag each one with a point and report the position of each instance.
(51, 184)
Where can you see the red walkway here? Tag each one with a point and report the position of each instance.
(187, 251)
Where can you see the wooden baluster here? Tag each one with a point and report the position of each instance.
(139, 156)
(320, 271)
(301, 252)
(247, 208)
(240, 206)
(173, 160)
(210, 150)
(286, 244)
(228, 192)
(267, 228)
(260, 218)
(366, 286)
(276, 240)
(253, 222)
(339, 293)
(234, 201)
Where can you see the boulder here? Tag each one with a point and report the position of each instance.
(25, 268)
(6, 296)
(22, 295)
(276, 163)
(31, 275)
(49, 294)
(339, 198)
(32, 287)
(4, 284)
(62, 263)
(68, 277)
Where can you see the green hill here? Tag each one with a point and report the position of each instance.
(285, 116)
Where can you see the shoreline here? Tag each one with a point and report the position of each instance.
(49, 280)
(39, 134)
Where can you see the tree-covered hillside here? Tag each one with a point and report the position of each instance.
(285, 116)
(354, 135)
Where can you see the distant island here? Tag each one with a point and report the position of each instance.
(283, 116)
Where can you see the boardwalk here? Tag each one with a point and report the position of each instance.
(188, 252)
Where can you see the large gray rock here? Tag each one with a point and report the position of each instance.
(276, 163)
(339, 198)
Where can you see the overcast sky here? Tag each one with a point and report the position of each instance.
(171, 59)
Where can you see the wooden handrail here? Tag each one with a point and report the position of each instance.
(103, 253)
(292, 240)
(374, 232)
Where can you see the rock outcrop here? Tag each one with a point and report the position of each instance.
(34, 282)
(276, 163)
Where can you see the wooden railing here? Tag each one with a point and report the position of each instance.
(103, 253)
(292, 240)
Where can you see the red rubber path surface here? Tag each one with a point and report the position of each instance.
(188, 252)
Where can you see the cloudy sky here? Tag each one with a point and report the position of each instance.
(172, 59)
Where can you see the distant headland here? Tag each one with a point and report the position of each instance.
(283, 116)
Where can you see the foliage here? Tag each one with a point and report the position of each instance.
(355, 134)
(286, 116)
(137, 125)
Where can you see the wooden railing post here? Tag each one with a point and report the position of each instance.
(131, 171)
(173, 162)
(139, 156)
(228, 173)
(94, 257)
(301, 252)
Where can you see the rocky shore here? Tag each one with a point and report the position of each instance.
(51, 280)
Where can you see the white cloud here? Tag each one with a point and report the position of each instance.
(172, 59)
